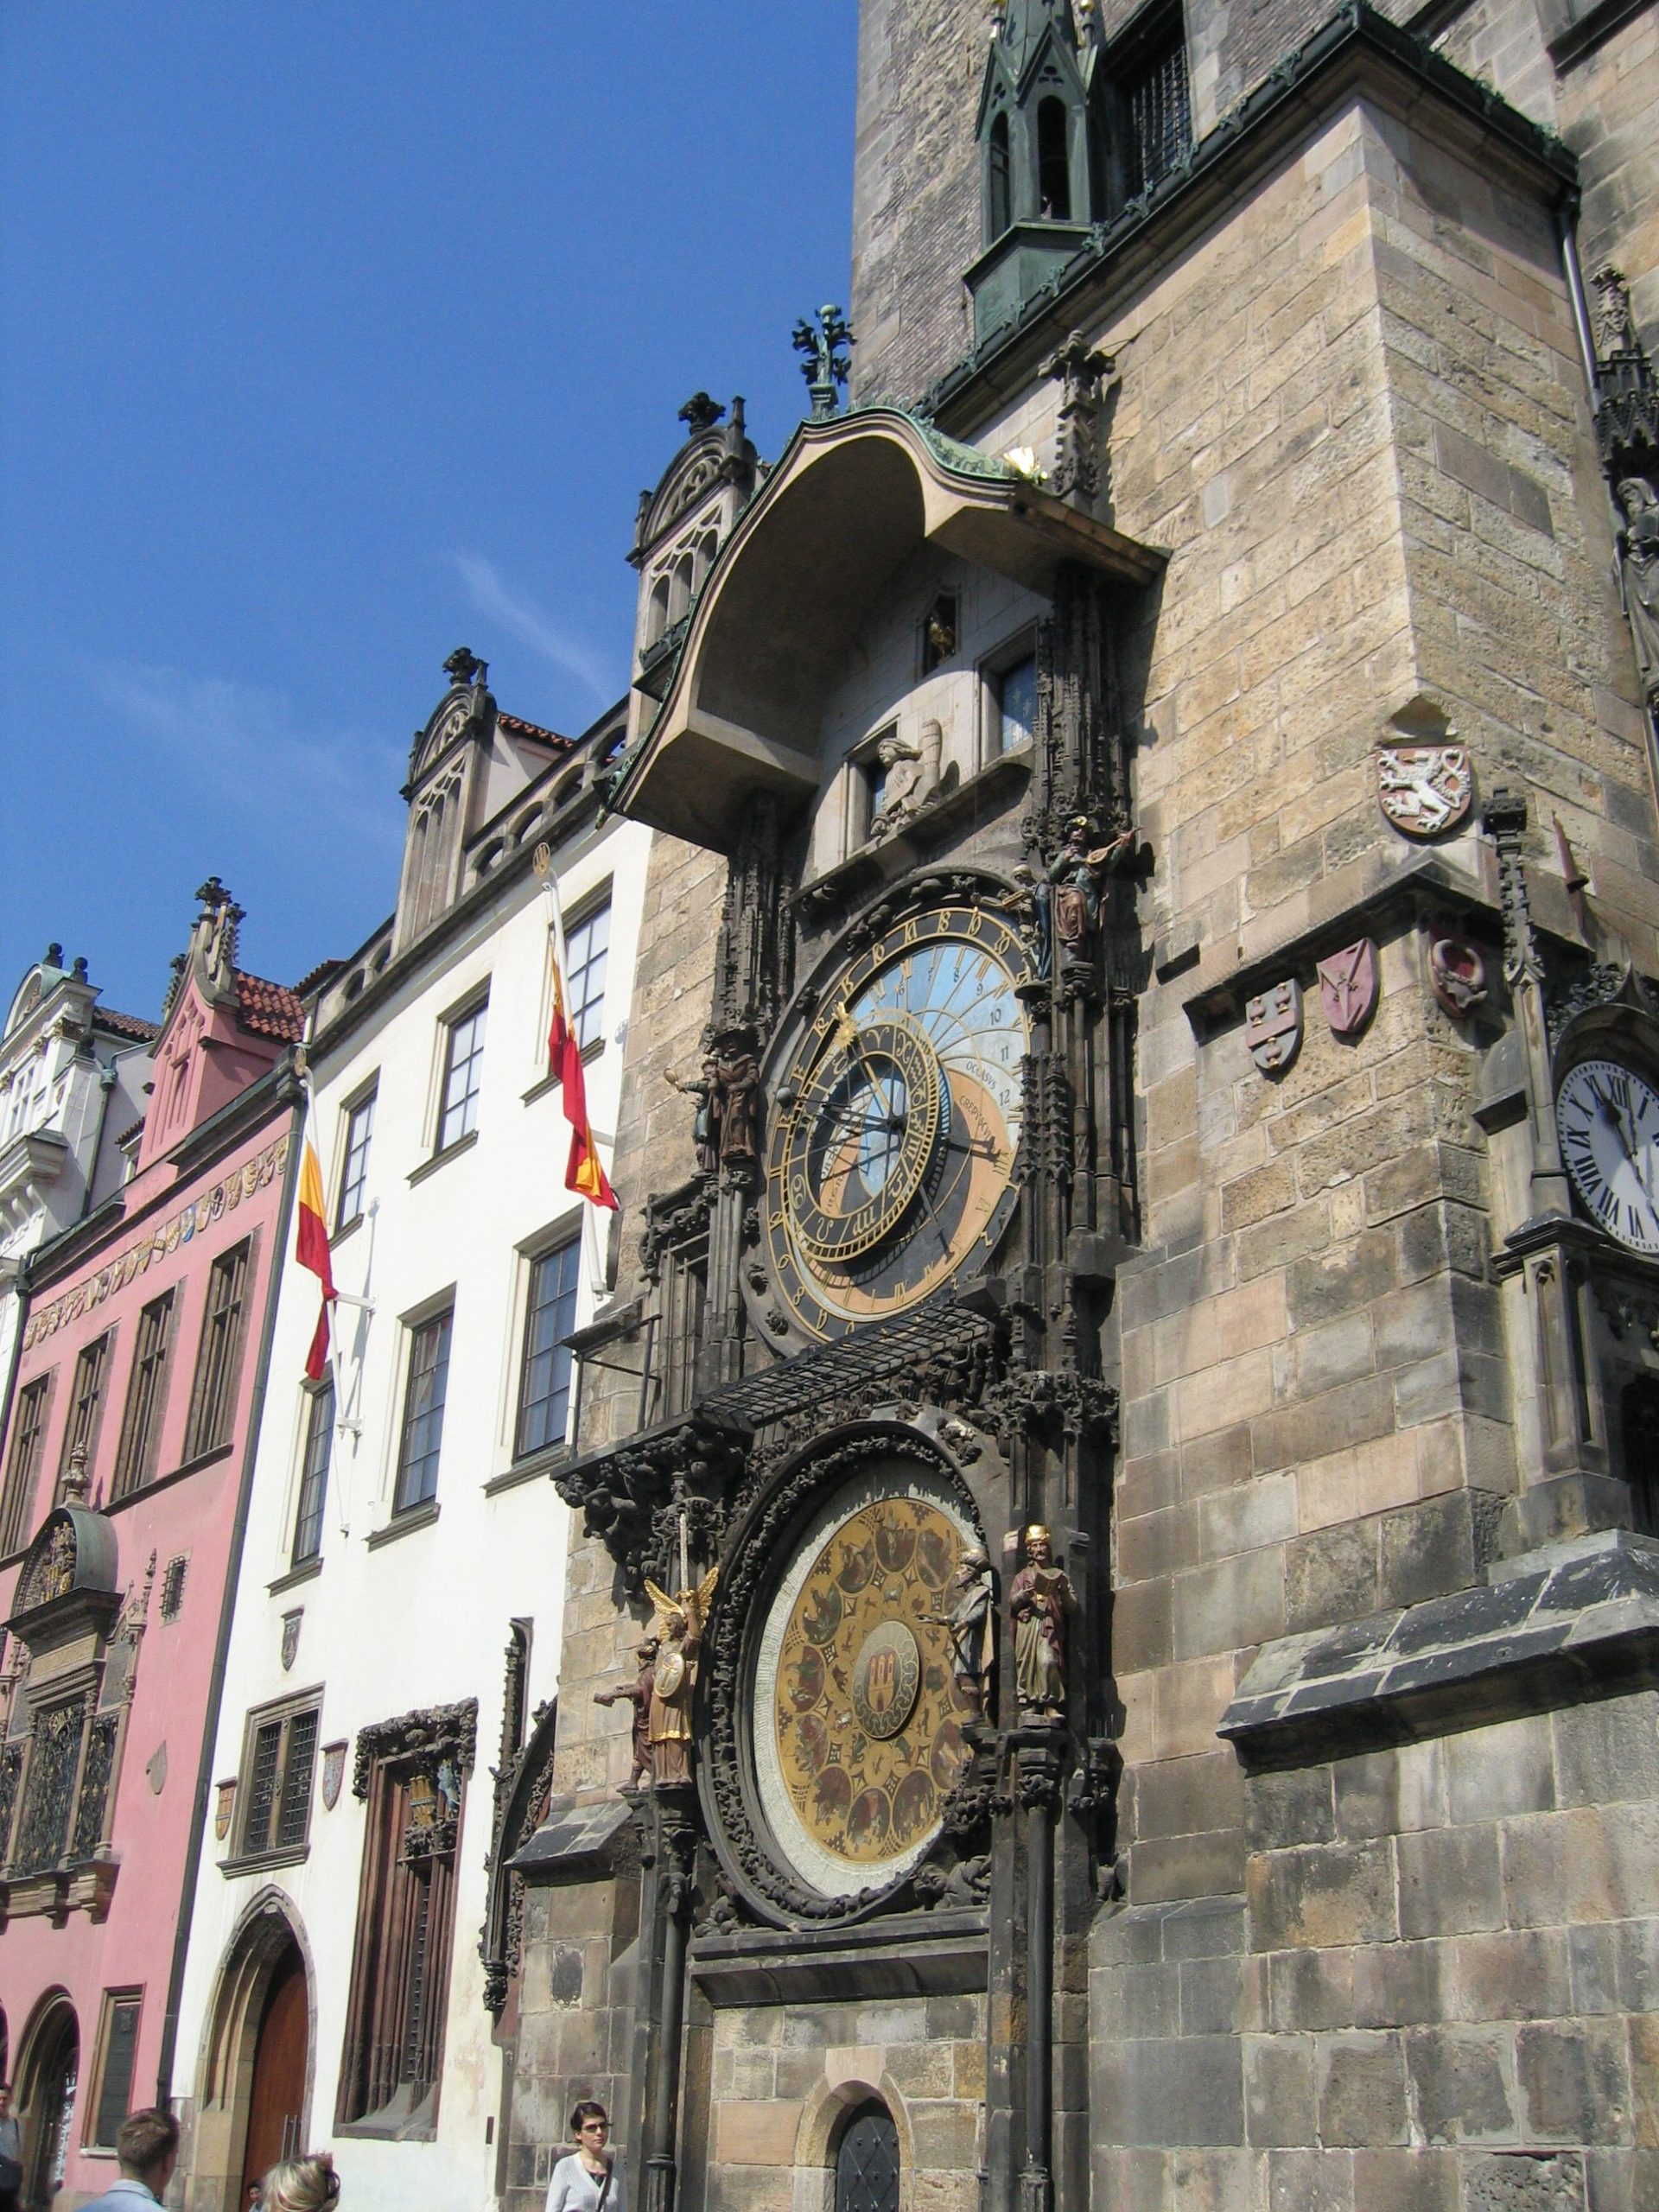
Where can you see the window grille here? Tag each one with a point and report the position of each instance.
(95, 1787)
(278, 1772)
(50, 1790)
(1160, 116)
(173, 1587)
(120, 2048)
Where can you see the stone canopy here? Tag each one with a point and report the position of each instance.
(798, 577)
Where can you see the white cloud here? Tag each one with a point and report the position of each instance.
(247, 749)
(521, 618)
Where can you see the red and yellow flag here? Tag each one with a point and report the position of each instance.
(584, 1172)
(311, 1250)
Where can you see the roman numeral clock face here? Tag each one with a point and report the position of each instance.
(1608, 1116)
(898, 1112)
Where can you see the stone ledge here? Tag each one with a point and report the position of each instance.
(932, 1954)
(574, 1843)
(1552, 1628)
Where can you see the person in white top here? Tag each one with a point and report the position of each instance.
(589, 2180)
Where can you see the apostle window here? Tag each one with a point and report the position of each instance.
(86, 1403)
(141, 1422)
(1015, 691)
(544, 1373)
(423, 1403)
(359, 1128)
(314, 1474)
(24, 1462)
(412, 1773)
(279, 1759)
(219, 1358)
(586, 949)
(463, 1061)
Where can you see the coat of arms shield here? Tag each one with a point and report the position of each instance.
(1273, 1025)
(1424, 789)
(291, 1636)
(1348, 987)
(333, 1772)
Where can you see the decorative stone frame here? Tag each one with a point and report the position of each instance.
(849, 2080)
(269, 1927)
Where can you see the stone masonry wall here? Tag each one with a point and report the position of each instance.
(1444, 1987)
(782, 2075)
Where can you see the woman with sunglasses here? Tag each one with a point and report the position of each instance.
(589, 2180)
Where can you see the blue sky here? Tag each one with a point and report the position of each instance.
(333, 336)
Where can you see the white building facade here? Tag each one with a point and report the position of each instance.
(397, 1625)
(73, 1079)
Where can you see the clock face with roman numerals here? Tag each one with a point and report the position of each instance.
(897, 1118)
(1608, 1116)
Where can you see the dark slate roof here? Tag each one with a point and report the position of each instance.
(270, 1009)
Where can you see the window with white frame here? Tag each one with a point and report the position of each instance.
(425, 1395)
(355, 1175)
(544, 1370)
(314, 1473)
(463, 1062)
(586, 949)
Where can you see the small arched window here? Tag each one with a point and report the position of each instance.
(866, 2162)
(657, 619)
(679, 597)
(999, 205)
(1639, 1408)
(1053, 162)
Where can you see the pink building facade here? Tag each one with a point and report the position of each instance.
(126, 1458)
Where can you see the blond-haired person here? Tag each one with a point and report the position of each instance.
(307, 2184)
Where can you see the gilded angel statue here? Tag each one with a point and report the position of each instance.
(679, 1626)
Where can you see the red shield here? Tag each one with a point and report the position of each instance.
(1348, 987)
(1457, 973)
(1273, 1027)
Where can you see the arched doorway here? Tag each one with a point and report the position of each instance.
(47, 2104)
(256, 2058)
(277, 2093)
(867, 2161)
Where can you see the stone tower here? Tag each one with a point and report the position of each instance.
(1149, 1316)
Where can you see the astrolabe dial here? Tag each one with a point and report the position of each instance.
(857, 1716)
(1608, 1117)
(898, 1120)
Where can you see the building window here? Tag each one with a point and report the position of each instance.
(173, 1577)
(463, 1058)
(940, 633)
(1016, 704)
(544, 1377)
(65, 1786)
(86, 1404)
(219, 1358)
(359, 1128)
(1053, 162)
(279, 1757)
(314, 1474)
(24, 1462)
(412, 1772)
(1000, 199)
(1639, 1408)
(423, 1400)
(586, 944)
(117, 2049)
(1156, 103)
(141, 1423)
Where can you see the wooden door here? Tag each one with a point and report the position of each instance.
(276, 2102)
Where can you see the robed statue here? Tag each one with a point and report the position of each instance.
(1039, 1601)
(638, 1695)
(971, 1623)
(679, 1626)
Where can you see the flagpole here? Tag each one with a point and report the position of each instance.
(341, 1426)
(542, 862)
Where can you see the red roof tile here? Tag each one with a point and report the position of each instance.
(270, 1009)
(521, 728)
(125, 1025)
